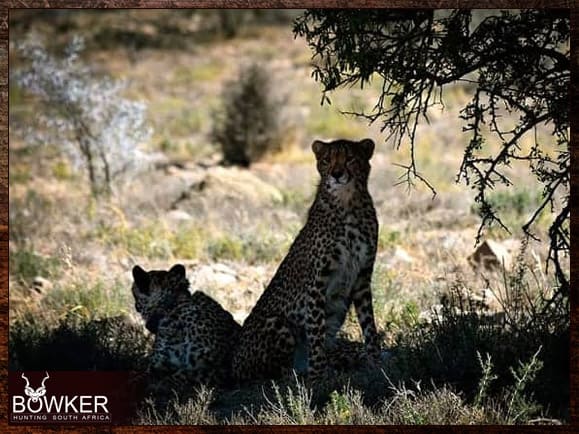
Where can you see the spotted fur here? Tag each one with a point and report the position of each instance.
(328, 267)
(193, 333)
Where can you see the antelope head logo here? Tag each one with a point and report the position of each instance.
(35, 394)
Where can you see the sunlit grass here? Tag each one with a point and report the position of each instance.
(191, 74)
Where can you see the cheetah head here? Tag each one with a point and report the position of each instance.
(157, 292)
(343, 165)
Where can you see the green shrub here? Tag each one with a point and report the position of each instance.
(387, 238)
(401, 317)
(226, 247)
(87, 299)
(26, 264)
(514, 206)
(295, 200)
(519, 404)
(330, 122)
(519, 201)
(265, 247)
(61, 170)
(188, 241)
(250, 248)
(248, 125)
(417, 407)
(292, 407)
(154, 240)
(347, 407)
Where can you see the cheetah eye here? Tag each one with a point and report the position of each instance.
(325, 161)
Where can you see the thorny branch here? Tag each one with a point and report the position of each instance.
(516, 62)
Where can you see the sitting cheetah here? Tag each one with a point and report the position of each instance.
(329, 266)
(193, 333)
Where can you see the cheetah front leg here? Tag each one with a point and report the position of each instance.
(362, 298)
(315, 322)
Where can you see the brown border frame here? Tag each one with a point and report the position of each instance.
(6, 6)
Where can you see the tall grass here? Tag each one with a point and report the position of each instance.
(295, 404)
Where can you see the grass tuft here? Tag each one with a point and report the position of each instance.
(25, 265)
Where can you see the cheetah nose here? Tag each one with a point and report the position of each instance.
(337, 174)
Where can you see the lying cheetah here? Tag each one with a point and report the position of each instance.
(193, 333)
(328, 267)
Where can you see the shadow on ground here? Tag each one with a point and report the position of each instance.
(442, 354)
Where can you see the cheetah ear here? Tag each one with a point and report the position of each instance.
(366, 148)
(178, 270)
(318, 147)
(142, 279)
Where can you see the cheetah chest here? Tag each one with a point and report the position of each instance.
(354, 250)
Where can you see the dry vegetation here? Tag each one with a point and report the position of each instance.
(71, 254)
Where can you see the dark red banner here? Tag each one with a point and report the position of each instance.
(72, 397)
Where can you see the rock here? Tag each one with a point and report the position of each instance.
(222, 268)
(231, 183)
(491, 302)
(241, 184)
(428, 316)
(235, 286)
(213, 275)
(236, 194)
(157, 159)
(41, 285)
(400, 256)
(450, 241)
(491, 255)
(177, 215)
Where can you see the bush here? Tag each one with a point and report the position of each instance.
(248, 125)
(448, 350)
(85, 116)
